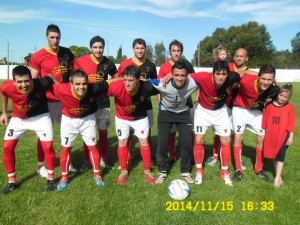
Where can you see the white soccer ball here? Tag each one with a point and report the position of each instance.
(178, 189)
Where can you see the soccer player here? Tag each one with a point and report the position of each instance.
(130, 97)
(175, 50)
(215, 88)
(253, 93)
(30, 112)
(279, 120)
(98, 67)
(148, 71)
(78, 117)
(174, 109)
(57, 61)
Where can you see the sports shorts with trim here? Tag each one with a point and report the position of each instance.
(55, 111)
(218, 119)
(140, 127)
(71, 127)
(41, 124)
(103, 118)
(244, 118)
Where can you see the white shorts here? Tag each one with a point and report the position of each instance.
(192, 112)
(103, 118)
(244, 118)
(55, 111)
(150, 117)
(218, 119)
(140, 127)
(41, 124)
(71, 127)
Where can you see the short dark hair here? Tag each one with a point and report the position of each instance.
(78, 73)
(179, 65)
(220, 65)
(27, 58)
(267, 68)
(21, 71)
(97, 39)
(132, 70)
(52, 28)
(176, 43)
(139, 41)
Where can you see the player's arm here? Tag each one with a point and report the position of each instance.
(35, 73)
(242, 73)
(290, 140)
(4, 103)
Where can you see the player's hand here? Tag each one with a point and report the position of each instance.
(3, 119)
(166, 79)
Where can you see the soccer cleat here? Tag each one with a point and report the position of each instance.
(212, 161)
(243, 166)
(149, 177)
(98, 180)
(262, 175)
(198, 178)
(72, 169)
(122, 178)
(238, 175)
(51, 185)
(62, 184)
(162, 177)
(10, 187)
(42, 171)
(188, 178)
(85, 167)
(226, 177)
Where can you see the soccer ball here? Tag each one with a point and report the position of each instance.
(178, 189)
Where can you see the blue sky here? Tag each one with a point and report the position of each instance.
(119, 22)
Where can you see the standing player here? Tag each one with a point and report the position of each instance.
(212, 111)
(279, 119)
(98, 68)
(175, 50)
(30, 112)
(57, 61)
(130, 98)
(79, 106)
(148, 71)
(253, 93)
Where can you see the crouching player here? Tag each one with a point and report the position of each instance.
(78, 117)
(30, 112)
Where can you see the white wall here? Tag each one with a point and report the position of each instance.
(282, 75)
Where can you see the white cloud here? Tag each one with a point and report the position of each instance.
(9, 16)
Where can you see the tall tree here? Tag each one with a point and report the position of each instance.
(120, 57)
(149, 52)
(295, 42)
(79, 51)
(160, 54)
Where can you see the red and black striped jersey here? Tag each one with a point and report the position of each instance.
(166, 68)
(28, 105)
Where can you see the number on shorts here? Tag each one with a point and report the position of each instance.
(199, 129)
(119, 132)
(67, 140)
(238, 128)
(10, 132)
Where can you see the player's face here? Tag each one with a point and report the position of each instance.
(265, 81)
(222, 55)
(23, 83)
(175, 53)
(53, 39)
(139, 51)
(80, 86)
(97, 49)
(179, 77)
(220, 78)
(131, 83)
(240, 58)
(283, 97)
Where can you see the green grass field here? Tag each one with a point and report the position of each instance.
(251, 201)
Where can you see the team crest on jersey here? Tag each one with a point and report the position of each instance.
(93, 139)
(77, 112)
(66, 56)
(142, 132)
(142, 98)
(59, 70)
(236, 85)
(143, 75)
(255, 105)
(225, 131)
(44, 134)
(148, 69)
(216, 99)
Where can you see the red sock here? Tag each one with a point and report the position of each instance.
(65, 159)
(198, 155)
(146, 156)
(95, 159)
(122, 154)
(259, 160)
(225, 156)
(9, 159)
(86, 154)
(40, 153)
(238, 157)
(217, 145)
(50, 158)
(103, 144)
(171, 146)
